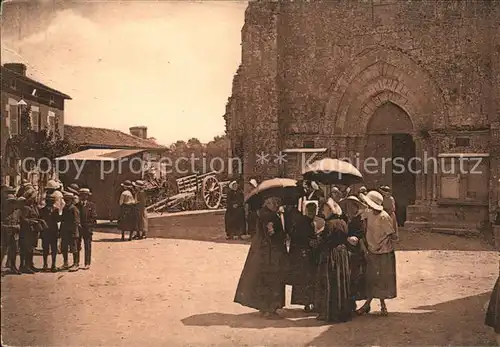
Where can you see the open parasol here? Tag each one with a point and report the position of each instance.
(285, 188)
(333, 171)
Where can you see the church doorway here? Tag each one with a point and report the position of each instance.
(388, 155)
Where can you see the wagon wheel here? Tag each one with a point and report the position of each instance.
(211, 191)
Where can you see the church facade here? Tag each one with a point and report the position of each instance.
(409, 91)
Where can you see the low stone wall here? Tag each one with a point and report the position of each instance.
(204, 225)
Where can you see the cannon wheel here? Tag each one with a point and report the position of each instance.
(211, 192)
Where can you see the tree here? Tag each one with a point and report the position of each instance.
(37, 145)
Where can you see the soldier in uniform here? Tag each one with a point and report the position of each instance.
(88, 220)
(28, 236)
(70, 225)
(50, 214)
(10, 231)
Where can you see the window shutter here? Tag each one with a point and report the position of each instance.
(14, 120)
(35, 120)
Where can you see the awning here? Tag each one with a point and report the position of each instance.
(463, 155)
(101, 154)
(305, 150)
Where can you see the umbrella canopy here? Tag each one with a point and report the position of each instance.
(284, 188)
(333, 171)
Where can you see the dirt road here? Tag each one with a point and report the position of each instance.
(179, 293)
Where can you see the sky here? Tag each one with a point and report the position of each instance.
(162, 64)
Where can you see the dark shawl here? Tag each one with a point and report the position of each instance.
(262, 282)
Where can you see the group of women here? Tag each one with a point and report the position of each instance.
(337, 256)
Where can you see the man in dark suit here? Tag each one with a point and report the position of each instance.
(88, 220)
(70, 232)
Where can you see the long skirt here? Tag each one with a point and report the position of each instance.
(302, 276)
(332, 298)
(493, 312)
(128, 218)
(381, 276)
(142, 220)
(235, 222)
(357, 264)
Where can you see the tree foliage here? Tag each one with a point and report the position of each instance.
(37, 144)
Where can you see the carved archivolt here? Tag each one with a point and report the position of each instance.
(377, 76)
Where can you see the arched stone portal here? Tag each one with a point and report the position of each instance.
(390, 147)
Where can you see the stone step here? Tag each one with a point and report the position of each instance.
(457, 231)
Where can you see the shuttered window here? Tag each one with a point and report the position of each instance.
(35, 119)
(14, 120)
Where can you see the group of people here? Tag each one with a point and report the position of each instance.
(340, 251)
(64, 220)
(133, 217)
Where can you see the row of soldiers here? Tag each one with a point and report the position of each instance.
(65, 216)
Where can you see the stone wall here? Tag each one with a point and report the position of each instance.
(317, 71)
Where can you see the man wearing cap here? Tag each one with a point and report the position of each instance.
(50, 234)
(28, 235)
(74, 189)
(10, 231)
(88, 220)
(70, 225)
(142, 216)
(128, 214)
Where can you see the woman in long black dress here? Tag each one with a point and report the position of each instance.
(493, 312)
(235, 212)
(302, 260)
(353, 209)
(262, 282)
(332, 299)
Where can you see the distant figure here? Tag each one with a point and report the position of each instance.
(128, 216)
(251, 213)
(28, 236)
(10, 230)
(142, 216)
(262, 282)
(88, 220)
(50, 234)
(235, 212)
(70, 232)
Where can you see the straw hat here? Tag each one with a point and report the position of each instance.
(68, 195)
(355, 200)
(51, 184)
(334, 207)
(127, 184)
(385, 189)
(73, 188)
(85, 191)
(253, 183)
(233, 185)
(374, 200)
(139, 184)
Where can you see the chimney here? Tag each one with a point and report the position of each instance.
(16, 67)
(139, 131)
